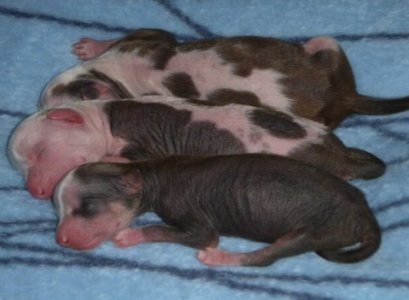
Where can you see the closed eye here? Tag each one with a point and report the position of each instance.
(89, 208)
(37, 153)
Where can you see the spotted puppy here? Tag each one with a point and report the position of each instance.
(50, 143)
(313, 80)
(294, 207)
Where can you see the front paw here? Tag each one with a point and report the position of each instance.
(128, 237)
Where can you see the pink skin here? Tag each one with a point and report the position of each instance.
(218, 257)
(41, 184)
(82, 234)
(48, 145)
(87, 48)
(319, 44)
(129, 237)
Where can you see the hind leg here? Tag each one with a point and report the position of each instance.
(87, 48)
(334, 157)
(326, 53)
(293, 243)
(321, 43)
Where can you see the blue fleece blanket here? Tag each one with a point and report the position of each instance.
(35, 39)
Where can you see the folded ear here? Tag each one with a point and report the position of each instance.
(65, 115)
(96, 90)
(102, 87)
(133, 181)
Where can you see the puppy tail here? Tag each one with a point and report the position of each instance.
(367, 248)
(378, 106)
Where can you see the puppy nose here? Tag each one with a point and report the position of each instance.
(62, 239)
(37, 192)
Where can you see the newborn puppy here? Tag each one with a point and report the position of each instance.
(313, 80)
(50, 143)
(294, 207)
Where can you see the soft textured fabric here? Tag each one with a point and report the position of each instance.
(35, 40)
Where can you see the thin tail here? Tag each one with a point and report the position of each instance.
(378, 106)
(368, 247)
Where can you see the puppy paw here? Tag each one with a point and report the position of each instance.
(87, 48)
(128, 237)
(217, 257)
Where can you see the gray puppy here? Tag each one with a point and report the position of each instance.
(294, 207)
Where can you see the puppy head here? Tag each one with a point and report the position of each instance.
(95, 201)
(78, 84)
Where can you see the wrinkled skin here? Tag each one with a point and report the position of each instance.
(202, 198)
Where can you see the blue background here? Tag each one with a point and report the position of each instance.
(35, 40)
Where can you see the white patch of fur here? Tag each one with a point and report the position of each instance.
(58, 198)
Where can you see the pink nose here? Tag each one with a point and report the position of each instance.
(37, 192)
(62, 239)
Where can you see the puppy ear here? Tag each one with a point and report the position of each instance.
(133, 181)
(65, 115)
(96, 90)
(102, 87)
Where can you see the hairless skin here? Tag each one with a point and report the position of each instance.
(293, 207)
(50, 143)
(313, 80)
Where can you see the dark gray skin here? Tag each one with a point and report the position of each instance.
(313, 80)
(264, 198)
(163, 131)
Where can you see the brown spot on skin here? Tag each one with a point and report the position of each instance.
(200, 45)
(161, 57)
(77, 89)
(62, 89)
(204, 103)
(233, 96)
(277, 123)
(306, 79)
(249, 53)
(320, 85)
(181, 85)
(328, 82)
